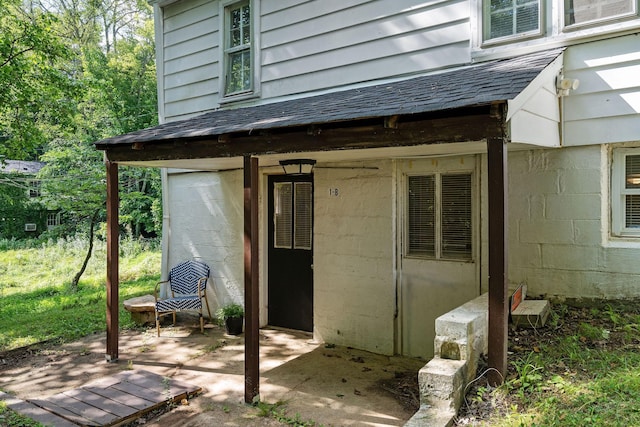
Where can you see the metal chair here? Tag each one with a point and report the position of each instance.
(187, 286)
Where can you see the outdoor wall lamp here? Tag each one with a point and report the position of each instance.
(565, 85)
(297, 166)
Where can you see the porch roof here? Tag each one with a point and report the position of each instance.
(473, 85)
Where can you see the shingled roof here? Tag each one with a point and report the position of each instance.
(469, 86)
(21, 166)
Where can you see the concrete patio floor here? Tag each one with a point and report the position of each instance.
(329, 385)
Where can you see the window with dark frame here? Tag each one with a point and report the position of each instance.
(35, 189)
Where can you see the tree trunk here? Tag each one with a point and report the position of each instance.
(76, 279)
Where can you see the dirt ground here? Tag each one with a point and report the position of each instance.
(315, 382)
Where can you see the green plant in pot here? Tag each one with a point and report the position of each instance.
(232, 317)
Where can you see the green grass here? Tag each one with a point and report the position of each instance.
(585, 370)
(38, 305)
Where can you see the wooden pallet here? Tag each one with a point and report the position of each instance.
(110, 401)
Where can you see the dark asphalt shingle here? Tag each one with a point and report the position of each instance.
(472, 85)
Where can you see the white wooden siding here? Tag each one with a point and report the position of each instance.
(606, 106)
(322, 44)
(191, 49)
(311, 45)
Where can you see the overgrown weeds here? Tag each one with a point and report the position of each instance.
(38, 304)
(581, 369)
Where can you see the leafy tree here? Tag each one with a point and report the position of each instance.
(87, 72)
(35, 91)
(73, 183)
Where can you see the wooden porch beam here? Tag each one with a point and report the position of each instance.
(407, 133)
(113, 283)
(498, 287)
(251, 284)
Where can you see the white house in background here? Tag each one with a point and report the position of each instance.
(396, 102)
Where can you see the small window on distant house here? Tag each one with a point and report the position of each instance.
(34, 189)
(504, 19)
(53, 220)
(440, 216)
(577, 12)
(238, 54)
(625, 193)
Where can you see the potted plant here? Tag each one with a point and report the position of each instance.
(232, 316)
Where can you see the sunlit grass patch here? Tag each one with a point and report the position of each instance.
(38, 304)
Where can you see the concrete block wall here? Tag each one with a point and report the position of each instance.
(206, 223)
(354, 255)
(559, 208)
(461, 337)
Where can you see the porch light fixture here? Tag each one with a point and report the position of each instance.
(297, 166)
(565, 85)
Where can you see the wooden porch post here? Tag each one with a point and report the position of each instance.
(112, 261)
(498, 288)
(251, 290)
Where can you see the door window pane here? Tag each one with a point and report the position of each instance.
(282, 215)
(422, 215)
(456, 216)
(303, 215)
(439, 221)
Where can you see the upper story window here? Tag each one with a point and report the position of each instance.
(625, 192)
(513, 21)
(511, 18)
(238, 54)
(35, 189)
(578, 12)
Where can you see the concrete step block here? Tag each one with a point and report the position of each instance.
(531, 314)
(443, 379)
(430, 416)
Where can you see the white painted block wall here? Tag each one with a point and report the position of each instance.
(206, 223)
(354, 256)
(558, 226)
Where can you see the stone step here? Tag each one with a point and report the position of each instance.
(531, 314)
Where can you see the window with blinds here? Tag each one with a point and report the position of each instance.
(632, 191)
(439, 223)
(456, 216)
(506, 18)
(422, 216)
(578, 12)
(303, 229)
(625, 192)
(293, 215)
(283, 215)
